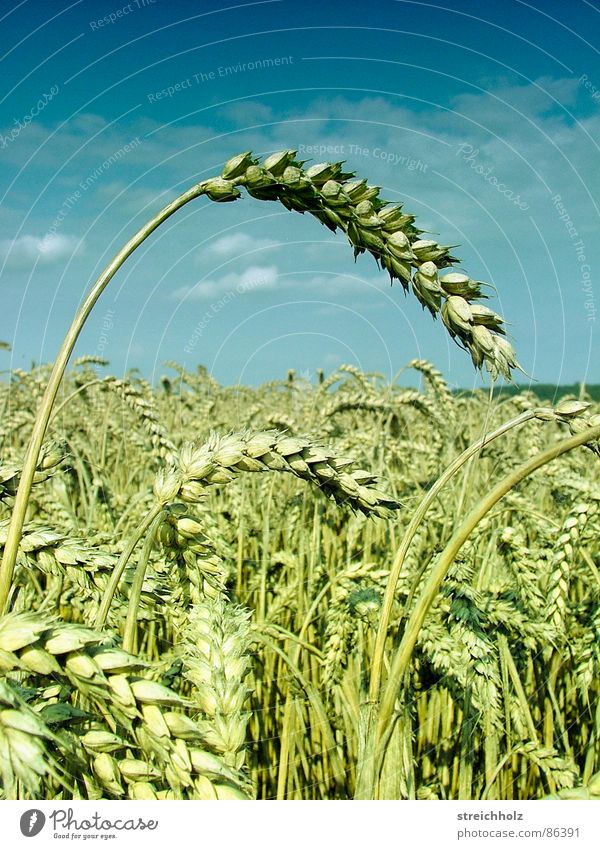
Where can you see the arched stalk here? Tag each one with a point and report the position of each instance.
(45, 410)
(419, 515)
(385, 715)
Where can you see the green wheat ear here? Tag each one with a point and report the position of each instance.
(373, 225)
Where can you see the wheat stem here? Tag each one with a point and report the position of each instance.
(117, 572)
(45, 409)
(430, 590)
(57, 411)
(415, 522)
(136, 588)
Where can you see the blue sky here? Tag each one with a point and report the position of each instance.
(108, 110)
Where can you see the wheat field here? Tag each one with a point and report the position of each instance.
(342, 588)
(254, 531)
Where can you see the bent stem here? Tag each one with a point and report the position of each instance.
(136, 587)
(114, 579)
(405, 650)
(419, 515)
(17, 520)
(74, 394)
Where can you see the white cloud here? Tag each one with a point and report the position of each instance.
(330, 285)
(25, 250)
(255, 278)
(239, 243)
(507, 103)
(269, 278)
(248, 112)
